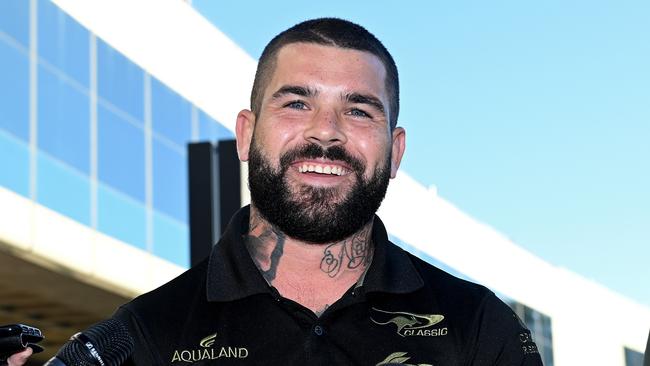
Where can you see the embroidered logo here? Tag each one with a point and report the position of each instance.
(399, 358)
(527, 344)
(410, 324)
(207, 352)
(208, 341)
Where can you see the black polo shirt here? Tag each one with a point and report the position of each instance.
(406, 312)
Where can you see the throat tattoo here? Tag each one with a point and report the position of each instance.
(352, 253)
(265, 244)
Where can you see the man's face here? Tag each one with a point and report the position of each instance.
(321, 149)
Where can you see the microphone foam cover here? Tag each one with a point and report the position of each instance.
(111, 340)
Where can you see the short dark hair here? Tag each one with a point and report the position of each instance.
(330, 32)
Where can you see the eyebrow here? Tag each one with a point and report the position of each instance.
(296, 90)
(366, 99)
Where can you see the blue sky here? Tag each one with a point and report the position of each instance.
(533, 117)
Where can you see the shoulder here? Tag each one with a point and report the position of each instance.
(461, 302)
(150, 316)
(183, 289)
(447, 287)
(489, 327)
(463, 299)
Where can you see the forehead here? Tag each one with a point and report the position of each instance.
(329, 67)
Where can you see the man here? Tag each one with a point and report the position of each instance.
(306, 275)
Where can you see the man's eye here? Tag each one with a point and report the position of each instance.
(296, 105)
(359, 113)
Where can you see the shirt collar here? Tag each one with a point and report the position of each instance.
(392, 270)
(232, 274)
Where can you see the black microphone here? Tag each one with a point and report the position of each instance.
(107, 343)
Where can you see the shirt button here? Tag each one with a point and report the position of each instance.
(319, 330)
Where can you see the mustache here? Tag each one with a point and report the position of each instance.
(312, 151)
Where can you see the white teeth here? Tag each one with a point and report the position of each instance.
(321, 169)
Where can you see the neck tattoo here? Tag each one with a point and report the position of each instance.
(265, 243)
(258, 235)
(352, 253)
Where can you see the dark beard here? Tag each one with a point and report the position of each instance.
(315, 214)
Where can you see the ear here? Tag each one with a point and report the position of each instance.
(398, 146)
(244, 131)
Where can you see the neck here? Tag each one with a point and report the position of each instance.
(313, 275)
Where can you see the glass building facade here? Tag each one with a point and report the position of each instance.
(87, 133)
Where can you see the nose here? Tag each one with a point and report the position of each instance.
(325, 129)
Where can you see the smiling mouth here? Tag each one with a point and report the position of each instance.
(322, 169)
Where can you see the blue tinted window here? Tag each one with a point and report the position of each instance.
(170, 113)
(120, 153)
(63, 189)
(169, 181)
(633, 358)
(171, 240)
(121, 217)
(211, 130)
(14, 91)
(119, 81)
(63, 120)
(63, 42)
(14, 19)
(14, 164)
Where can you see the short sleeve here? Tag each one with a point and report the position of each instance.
(500, 338)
